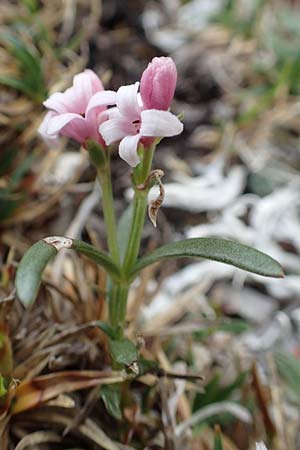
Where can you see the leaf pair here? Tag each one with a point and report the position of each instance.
(35, 260)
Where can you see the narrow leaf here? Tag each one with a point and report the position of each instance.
(289, 368)
(35, 260)
(9, 202)
(106, 328)
(123, 351)
(30, 271)
(15, 83)
(3, 389)
(147, 366)
(111, 396)
(218, 439)
(30, 62)
(21, 171)
(100, 258)
(228, 252)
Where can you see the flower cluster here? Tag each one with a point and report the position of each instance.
(135, 114)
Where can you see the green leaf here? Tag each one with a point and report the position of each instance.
(97, 153)
(216, 392)
(228, 252)
(147, 366)
(124, 228)
(30, 80)
(111, 396)
(14, 83)
(289, 368)
(30, 270)
(9, 202)
(31, 5)
(35, 260)
(106, 328)
(234, 326)
(123, 351)
(3, 388)
(218, 439)
(7, 158)
(22, 169)
(100, 258)
(29, 61)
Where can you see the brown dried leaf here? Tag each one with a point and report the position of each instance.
(6, 357)
(262, 401)
(4, 433)
(39, 437)
(33, 393)
(154, 205)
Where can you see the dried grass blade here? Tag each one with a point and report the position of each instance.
(39, 437)
(33, 393)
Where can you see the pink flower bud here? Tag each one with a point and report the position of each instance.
(158, 83)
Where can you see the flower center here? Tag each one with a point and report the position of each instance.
(137, 125)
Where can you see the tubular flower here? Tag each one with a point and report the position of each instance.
(73, 113)
(135, 119)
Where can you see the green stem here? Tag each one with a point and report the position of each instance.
(139, 213)
(119, 291)
(139, 209)
(147, 162)
(118, 305)
(104, 176)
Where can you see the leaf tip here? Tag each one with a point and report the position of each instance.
(58, 242)
(281, 274)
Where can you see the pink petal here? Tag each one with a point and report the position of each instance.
(85, 85)
(50, 139)
(70, 125)
(96, 111)
(75, 99)
(156, 123)
(56, 102)
(114, 113)
(113, 130)
(101, 99)
(127, 101)
(158, 83)
(128, 149)
(70, 101)
(88, 82)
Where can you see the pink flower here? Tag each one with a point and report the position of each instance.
(131, 123)
(158, 83)
(73, 113)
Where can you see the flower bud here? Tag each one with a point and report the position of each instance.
(158, 83)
